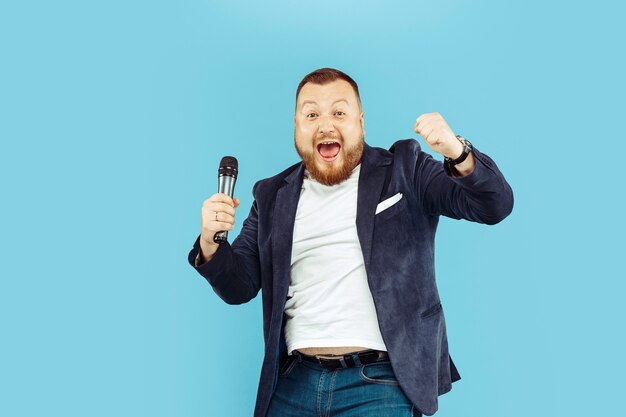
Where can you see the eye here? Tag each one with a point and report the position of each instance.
(340, 113)
(311, 115)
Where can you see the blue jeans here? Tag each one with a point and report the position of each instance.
(305, 389)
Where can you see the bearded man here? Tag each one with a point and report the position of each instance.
(342, 245)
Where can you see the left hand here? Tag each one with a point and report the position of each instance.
(438, 135)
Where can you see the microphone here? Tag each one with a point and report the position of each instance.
(226, 178)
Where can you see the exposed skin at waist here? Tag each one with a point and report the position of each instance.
(325, 351)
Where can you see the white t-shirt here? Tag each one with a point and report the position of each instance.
(329, 303)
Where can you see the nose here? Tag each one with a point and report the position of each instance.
(325, 125)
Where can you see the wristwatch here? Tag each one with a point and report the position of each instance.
(467, 148)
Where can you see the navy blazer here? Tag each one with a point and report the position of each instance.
(398, 249)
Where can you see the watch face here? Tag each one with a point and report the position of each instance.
(467, 144)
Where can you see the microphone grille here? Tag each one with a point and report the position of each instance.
(228, 166)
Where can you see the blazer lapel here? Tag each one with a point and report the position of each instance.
(371, 181)
(284, 217)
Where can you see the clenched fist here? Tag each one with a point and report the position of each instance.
(438, 135)
(218, 214)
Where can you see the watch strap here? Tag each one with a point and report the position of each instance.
(467, 148)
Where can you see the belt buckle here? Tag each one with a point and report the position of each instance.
(326, 363)
(334, 363)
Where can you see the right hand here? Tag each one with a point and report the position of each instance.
(218, 214)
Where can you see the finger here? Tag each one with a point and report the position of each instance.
(423, 124)
(421, 118)
(417, 126)
(218, 207)
(222, 198)
(237, 202)
(218, 227)
(426, 131)
(209, 217)
(221, 217)
(215, 221)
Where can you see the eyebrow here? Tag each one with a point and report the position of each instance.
(305, 102)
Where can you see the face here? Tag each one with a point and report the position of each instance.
(329, 130)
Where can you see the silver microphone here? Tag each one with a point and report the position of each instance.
(226, 178)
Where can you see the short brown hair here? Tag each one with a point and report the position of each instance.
(327, 75)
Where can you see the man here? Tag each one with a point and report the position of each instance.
(343, 246)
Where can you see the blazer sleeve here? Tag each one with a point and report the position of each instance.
(234, 272)
(483, 196)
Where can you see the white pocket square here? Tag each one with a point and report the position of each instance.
(385, 204)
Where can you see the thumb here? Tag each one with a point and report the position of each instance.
(236, 200)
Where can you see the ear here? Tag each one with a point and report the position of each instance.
(362, 119)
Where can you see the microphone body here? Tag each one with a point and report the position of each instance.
(226, 179)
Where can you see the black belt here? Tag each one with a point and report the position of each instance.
(349, 360)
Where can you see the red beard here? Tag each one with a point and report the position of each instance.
(327, 174)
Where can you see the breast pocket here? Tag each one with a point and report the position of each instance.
(389, 208)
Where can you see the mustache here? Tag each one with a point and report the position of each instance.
(334, 136)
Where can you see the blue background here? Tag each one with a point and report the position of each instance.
(114, 116)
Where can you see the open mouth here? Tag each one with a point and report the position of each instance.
(329, 150)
